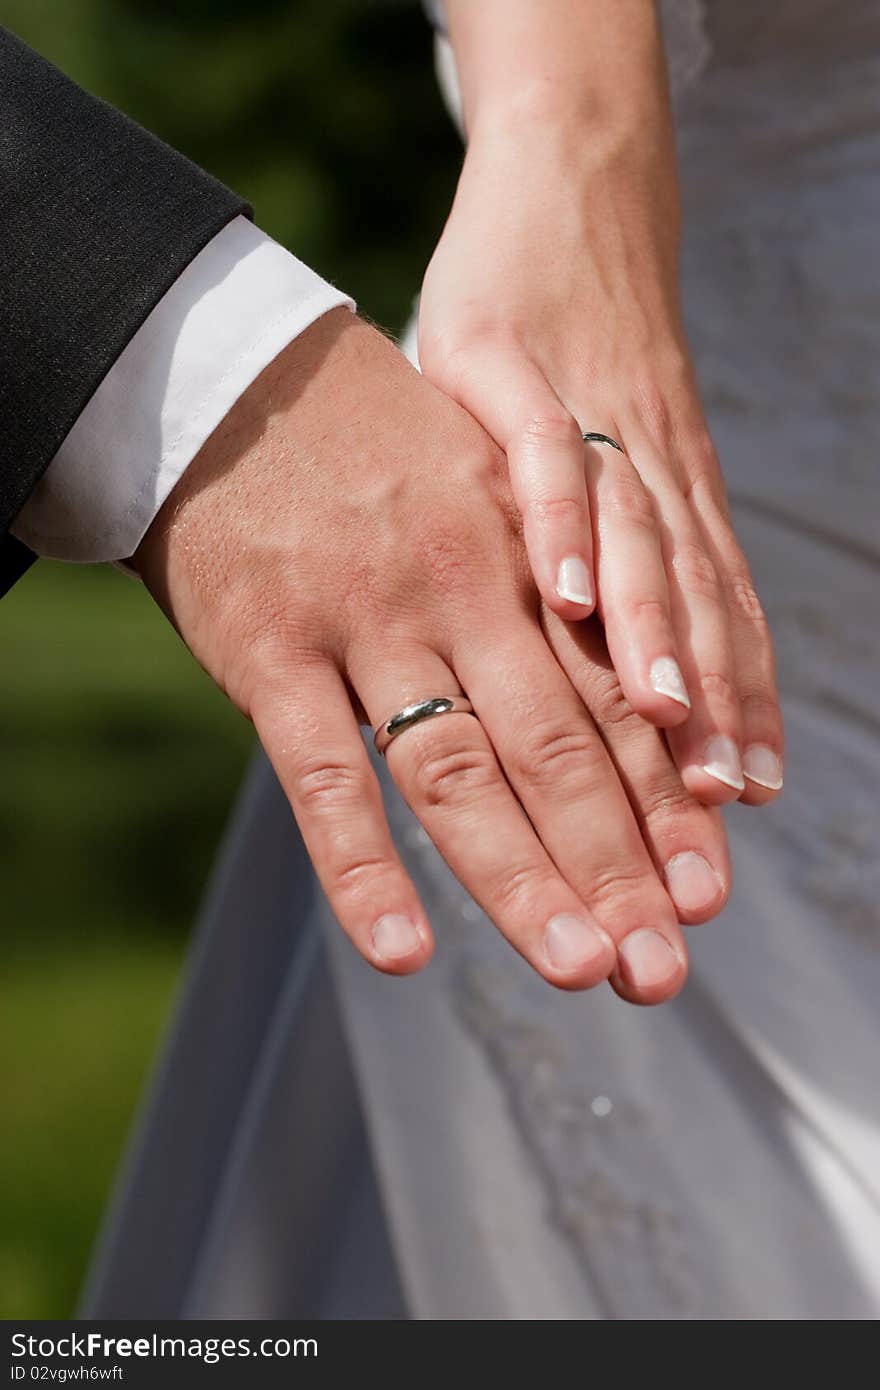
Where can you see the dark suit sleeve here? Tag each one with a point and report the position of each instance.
(98, 218)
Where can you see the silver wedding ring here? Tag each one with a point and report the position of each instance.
(591, 437)
(414, 714)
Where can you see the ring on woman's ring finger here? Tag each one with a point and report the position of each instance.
(414, 714)
(591, 437)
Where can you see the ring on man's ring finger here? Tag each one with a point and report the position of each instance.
(591, 437)
(414, 714)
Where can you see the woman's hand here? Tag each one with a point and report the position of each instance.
(550, 308)
(346, 543)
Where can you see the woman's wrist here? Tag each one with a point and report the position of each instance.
(575, 142)
(584, 182)
(537, 111)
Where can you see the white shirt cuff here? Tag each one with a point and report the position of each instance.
(234, 308)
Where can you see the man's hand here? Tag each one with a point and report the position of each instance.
(346, 543)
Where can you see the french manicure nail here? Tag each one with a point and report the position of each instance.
(692, 882)
(666, 679)
(570, 941)
(762, 765)
(722, 762)
(395, 936)
(573, 581)
(647, 959)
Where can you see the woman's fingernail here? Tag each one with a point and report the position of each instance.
(692, 882)
(570, 942)
(647, 959)
(395, 936)
(573, 581)
(722, 761)
(762, 765)
(666, 679)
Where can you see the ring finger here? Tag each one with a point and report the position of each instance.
(447, 770)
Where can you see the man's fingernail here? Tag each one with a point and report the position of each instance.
(647, 959)
(692, 882)
(666, 679)
(571, 941)
(395, 936)
(762, 765)
(722, 762)
(573, 581)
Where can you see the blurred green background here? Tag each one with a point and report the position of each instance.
(120, 759)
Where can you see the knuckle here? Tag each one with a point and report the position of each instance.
(610, 707)
(350, 877)
(718, 688)
(555, 426)
(700, 457)
(705, 494)
(704, 479)
(453, 776)
(447, 559)
(481, 470)
(517, 886)
(695, 573)
(602, 693)
(621, 888)
(551, 511)
(553, 752)
(447, 366)
(450, 358)
(630, 503)
(482, 462)
(744, 599)
(647, 611)
(664, 800)
(324, 785)
(761, 711)
(279, 641)
(655, 410)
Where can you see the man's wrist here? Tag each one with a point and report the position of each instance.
(234, 308)
(306, 381)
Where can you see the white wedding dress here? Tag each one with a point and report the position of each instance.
(321, 1140)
